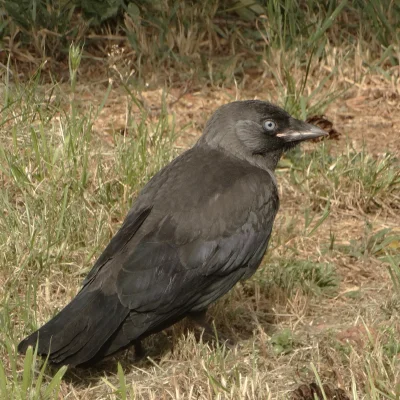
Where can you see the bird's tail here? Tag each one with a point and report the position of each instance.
(77, 333)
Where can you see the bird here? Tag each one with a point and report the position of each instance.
(200, 225)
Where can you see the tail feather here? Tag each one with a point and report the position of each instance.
(78, 332)
(134, 327)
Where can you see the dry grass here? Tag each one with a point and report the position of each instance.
(322, 307)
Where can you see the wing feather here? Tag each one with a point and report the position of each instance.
(163, 273)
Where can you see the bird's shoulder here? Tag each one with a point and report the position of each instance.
(202, 177)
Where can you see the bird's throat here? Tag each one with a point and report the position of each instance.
(268, 160)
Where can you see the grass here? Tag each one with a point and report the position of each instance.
(61, 196)
(354, 179)
(324, 306)
(213, 41)
(30, 385)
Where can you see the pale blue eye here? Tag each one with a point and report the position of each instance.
(269, 125)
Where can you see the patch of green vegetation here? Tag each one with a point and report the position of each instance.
(291, 274)
(380, 244)
(342, 348)
(353, 179)
(222, 39)
(393, 261)
(28, 383)
(353, 294)
(121, 390)
(282, 342)
(391, 347)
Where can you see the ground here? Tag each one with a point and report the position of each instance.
(323, 306)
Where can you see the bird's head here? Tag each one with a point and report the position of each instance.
(257, 131)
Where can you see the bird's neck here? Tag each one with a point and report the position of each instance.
(268, 160)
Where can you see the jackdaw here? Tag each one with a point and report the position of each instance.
(199, 226)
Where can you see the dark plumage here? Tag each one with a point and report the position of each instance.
(199, 226)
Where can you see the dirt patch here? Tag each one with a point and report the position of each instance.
(368, 116)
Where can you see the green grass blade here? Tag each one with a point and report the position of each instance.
(3, 382)
(27, 372)
(54, 385)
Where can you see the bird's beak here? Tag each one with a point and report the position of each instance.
(300, 131)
